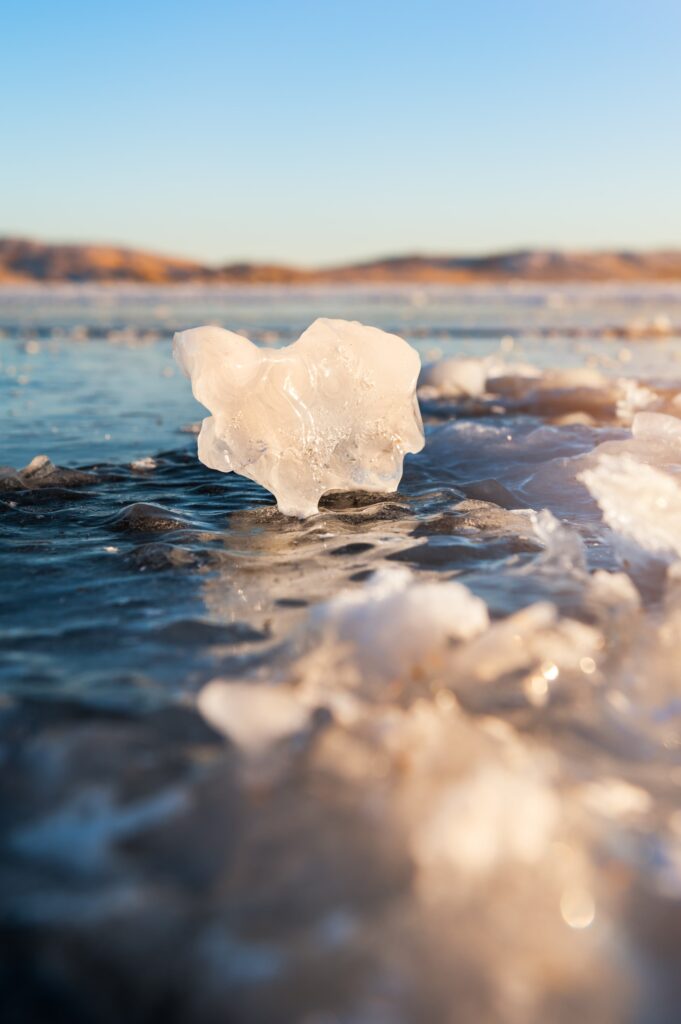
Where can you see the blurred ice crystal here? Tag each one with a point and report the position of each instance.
(397, 626)
(336, 410)
(454, 377)
(457, 377)
(563, 547)
(252, 716)
(500, 814)
(633, 398)
(658, 429)
(639, 502)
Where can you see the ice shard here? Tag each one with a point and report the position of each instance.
(335, 410)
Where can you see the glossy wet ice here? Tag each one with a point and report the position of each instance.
(334, 411)
(263, 769)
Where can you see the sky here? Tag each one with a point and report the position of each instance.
(323, 131)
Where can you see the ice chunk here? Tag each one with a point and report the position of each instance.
(469, 377)
(563, 547)
(144, 465)
(639, 502)
(581, 390)
(396, 627)
(655, 441)
(534, 639)
(496, 816)
(658, 428)
(614, 798)
(612, 593)
(454, 377)
(336, 410)
(253, 716)
(632, 398)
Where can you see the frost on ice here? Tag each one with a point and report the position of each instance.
(336, 410)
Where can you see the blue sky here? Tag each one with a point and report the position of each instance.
(316, 132)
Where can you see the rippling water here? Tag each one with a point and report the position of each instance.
(262, 769)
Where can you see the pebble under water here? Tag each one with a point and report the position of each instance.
(416, 758)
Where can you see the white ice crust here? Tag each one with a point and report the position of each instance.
(335, 410)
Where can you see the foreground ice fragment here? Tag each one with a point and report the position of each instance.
(536, 638)
(639, 502)
(500, 814)
(395, 625)
(336, 410)
(252, 716)
(563, 547)
(657, 428)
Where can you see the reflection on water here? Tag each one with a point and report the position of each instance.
(416, 758)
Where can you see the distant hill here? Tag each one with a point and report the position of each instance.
(23, 261)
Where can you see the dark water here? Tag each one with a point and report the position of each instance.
(487, 830)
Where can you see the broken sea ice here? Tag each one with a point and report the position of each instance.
(335, 410)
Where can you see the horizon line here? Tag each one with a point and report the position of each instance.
(359, 261)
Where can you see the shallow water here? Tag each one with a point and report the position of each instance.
(244, 777)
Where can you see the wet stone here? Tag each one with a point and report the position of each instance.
(144, 517)
(41, 473)
(158, 557)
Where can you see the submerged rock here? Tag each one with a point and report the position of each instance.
(41, 472)
(336, 410)
(157, 557)
(145, 517)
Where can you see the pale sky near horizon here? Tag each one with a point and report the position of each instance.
(319, 132)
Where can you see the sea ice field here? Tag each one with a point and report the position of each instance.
(415, 758)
